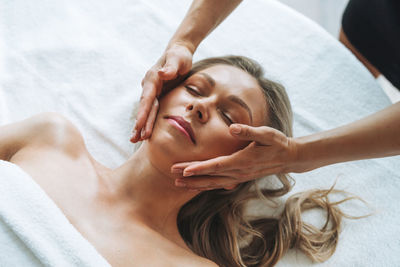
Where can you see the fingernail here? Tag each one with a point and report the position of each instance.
(187, 174)
(180, 183)
(134, 133)
(176, 170)
(142, 133)
(236, 129)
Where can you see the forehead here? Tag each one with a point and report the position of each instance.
(231, 80)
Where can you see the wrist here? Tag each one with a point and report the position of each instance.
(306, 154)
(188, 44)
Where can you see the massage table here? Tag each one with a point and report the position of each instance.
(86, 59)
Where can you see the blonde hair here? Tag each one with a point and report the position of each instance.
(214, 223)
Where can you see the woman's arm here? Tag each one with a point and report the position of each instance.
(44, 129)
(377, 135)
(201, 19)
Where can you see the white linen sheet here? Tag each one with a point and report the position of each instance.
(85, 59)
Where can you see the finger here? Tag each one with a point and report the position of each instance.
(255, 174)
(243, 174)
(167, 74)
(205, 182)
(135, 134)
(263, 134)
(170, 69)
(145, 105)
(231, 187)
(151, 119)
(179, 167)
(216, 165)
(185, 66)
(224, 165)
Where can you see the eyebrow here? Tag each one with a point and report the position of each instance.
(209, 79)
(232, 98)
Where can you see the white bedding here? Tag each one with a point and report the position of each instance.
(85, 59)
(33, 230)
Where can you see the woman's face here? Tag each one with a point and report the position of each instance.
(193, 119)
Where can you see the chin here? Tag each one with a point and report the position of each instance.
(169, 145)
(167, 150)
(164, 150)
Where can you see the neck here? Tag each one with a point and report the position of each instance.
(149, 193)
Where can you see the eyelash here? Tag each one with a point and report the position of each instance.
(224, 117)
(192, 91)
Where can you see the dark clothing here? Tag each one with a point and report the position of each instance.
(373, 28)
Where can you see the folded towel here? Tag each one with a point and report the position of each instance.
(33, 230)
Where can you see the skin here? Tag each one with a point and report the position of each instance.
(372, 137)
(201, 19)
(269, 151)
(129, 213)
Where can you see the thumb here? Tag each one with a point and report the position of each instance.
(262, 134)
(170, 69)
(185, 67)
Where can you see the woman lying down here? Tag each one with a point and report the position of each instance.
(134, 215)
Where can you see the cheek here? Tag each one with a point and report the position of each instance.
(173, 97)
(213, 138)
(164, 104)
(217, 141)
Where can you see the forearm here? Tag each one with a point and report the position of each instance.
(201, 19)
(375, 136)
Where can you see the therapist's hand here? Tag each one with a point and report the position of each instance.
(270, 152)
(176, 60)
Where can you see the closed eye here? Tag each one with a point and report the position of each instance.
(192, 91)
(225, 118)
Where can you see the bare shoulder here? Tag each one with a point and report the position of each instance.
(208, 263)
(182, 256)
(49, 129)
(196, 261)
(202, 262)
(57, 131)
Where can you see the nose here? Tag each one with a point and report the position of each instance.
(198, 111)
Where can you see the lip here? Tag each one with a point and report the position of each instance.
(183, 126)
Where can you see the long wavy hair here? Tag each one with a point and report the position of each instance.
(216, 225)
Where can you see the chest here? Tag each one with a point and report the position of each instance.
(72, 184)
(60, 176)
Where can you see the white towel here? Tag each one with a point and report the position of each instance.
(33, 230)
